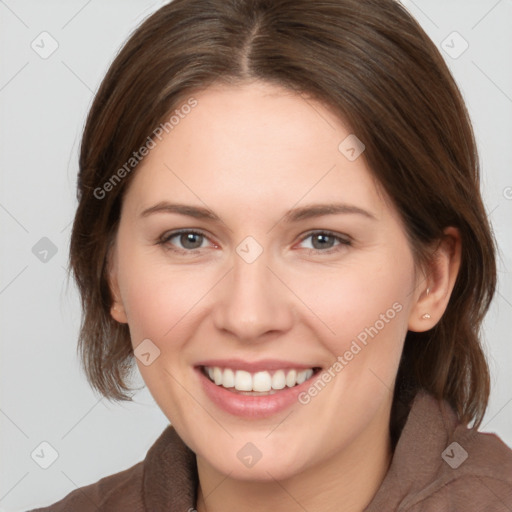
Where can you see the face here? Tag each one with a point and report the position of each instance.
(264, 283)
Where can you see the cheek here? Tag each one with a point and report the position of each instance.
(366, 307)
(156, 294)
(163, 305)
(166, 304)
(361, 309)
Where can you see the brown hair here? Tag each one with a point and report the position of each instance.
(372, 63)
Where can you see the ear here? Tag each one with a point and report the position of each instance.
(434, 294)
(117, 310)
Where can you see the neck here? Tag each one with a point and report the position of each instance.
(345, 482)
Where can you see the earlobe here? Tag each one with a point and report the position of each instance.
(117, 310)
(433, 297)
(426, 316)
(118, 313)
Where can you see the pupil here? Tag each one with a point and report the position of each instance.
(189, 238)
(320, 237)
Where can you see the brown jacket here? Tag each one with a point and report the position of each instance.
(439, 465)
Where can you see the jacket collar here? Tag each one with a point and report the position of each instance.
(170, 474)
(417, 456)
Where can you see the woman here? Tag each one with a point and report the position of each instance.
(280, 222)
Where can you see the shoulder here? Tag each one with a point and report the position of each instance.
(439, 464)
(165, 480)
(475, 475)
(118, 492)
(469, 471)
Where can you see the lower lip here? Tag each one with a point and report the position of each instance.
(256, 406)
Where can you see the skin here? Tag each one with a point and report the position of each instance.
(250, 153)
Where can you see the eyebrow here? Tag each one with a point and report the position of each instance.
(294, 215)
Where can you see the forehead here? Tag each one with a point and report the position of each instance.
(254, 144)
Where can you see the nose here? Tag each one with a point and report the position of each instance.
(253, 301)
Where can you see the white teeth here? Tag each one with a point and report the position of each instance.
(228, 378)
(217, 375)
(291, 378)
(302, 376)
(259, 381)
(243, 381)
(279, 380)
(262, 381)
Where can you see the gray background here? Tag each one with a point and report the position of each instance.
(44, 395)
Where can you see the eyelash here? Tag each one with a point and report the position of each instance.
(343, 242)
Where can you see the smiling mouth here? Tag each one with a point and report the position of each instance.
(258, 383)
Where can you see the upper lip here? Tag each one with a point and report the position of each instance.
(256, 366)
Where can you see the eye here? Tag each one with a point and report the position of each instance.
(325, 242)
(190, 240)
